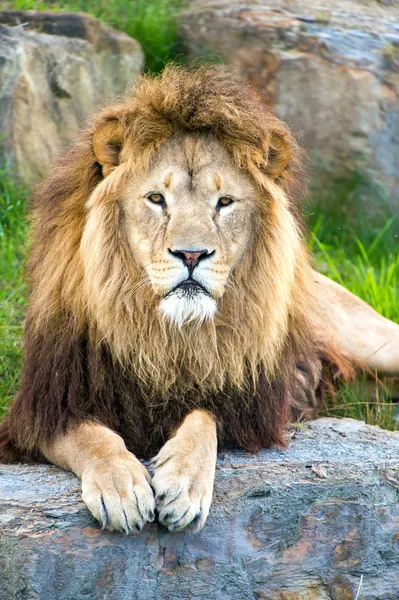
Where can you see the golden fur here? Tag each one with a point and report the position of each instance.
(85, 266)
(95, 345)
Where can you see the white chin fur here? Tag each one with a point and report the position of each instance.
(182, 308)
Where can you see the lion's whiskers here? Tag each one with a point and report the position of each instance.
(145, 281)
(232, 284)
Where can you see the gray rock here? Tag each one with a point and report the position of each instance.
(304, 523)
(55, 68)
(331, 71)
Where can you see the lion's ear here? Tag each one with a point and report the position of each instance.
(279, 155)
(107, 144)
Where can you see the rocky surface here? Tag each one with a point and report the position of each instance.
(299, 524)
(331, 70)
(55, 68)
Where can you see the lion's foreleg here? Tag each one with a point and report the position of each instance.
(115, 485)
(184, 472)
(355, 329)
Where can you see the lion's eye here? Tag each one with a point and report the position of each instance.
(224, 201)
(156, 198)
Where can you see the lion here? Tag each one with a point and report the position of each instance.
(173, 303)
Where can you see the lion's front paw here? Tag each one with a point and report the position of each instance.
(117, 492)
(183, 484)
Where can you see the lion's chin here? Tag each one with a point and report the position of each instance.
(181, 307)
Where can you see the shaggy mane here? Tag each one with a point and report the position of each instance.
(95, 345)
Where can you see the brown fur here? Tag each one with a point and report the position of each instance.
(96, 349)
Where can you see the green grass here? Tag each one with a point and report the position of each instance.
(370, 271)
(151, 22)
(360, 253)
(12, 286)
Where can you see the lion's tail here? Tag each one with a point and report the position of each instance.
(8, 451)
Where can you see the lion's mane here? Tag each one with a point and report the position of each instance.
(95, 345)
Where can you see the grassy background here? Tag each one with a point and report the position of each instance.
(359, 251)
(12, 286)
(360, 256)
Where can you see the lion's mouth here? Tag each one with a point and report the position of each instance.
(189, 287)
(188, 301)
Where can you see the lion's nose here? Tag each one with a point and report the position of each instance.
(191, 258)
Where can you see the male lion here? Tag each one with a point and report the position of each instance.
(173, 304)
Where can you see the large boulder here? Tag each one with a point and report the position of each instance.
(55, 68)
(307, 523)
(330, 70)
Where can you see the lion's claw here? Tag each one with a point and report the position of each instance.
(183, 486)
(117, 492)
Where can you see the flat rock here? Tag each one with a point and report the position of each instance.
(330, 70)
(303, 523)
(55, 69)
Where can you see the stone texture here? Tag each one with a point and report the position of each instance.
(330, 70)
(299, 524)
(55, 68)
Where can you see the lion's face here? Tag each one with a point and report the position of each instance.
(188, 222)
(177, 203)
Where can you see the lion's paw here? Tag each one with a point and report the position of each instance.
(117, 492)
(183, 485)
